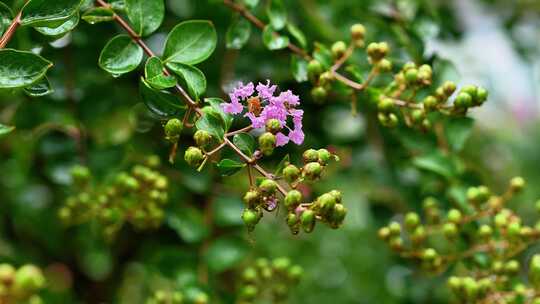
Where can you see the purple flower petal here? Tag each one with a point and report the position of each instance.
(297, 136)
(266, 91)
(281, 139)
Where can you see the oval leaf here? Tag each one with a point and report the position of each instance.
(154, 75)
(62, 29)
(49, 13)
(5, 17)
(277, 14)
(20, 69)
(40, 88)
(145, 15)
(238, 33)
(121, 55)
(161, 103)
(274, 41)
(194, 78)
(98, 14)
(228, 167)
(245, 142)
(190, 42)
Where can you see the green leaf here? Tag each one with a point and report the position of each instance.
(146, 15)
(225, 253)
(193, 77)
(277, 14)
(98, 14)
(154, 75)
(228, 167)
(6, 16)
(62, 29)
(323, 55)
(40, 88)
(458, 131)
(274, 41)
(188, 224)
(121, 55)
(190, 42)
(245, 142)
(226, 210)
(436, 162)
(297, 34)
(299, 68)
(161, 103)
(5, 130)
(238, 33)
(284, 161)
(215, 103)
(251, 3)
(49, 13)
(21, 69)
(212, 122)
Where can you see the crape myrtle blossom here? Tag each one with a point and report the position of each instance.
(263, 104)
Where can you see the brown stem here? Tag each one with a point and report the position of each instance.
(10, 30)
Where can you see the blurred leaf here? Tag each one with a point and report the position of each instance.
(62, 29)
(4, 130)
(194, 78)
(245, 142)
(238, 33)
(323, 55)
(161, 103)
(49, 13)
(458, 131)
(121, 55)
(227, 211)
(228, 167)
(40, 88)
(251, 3)
(98, 14)
(225, 253)
(155, 76)
(277, 14)
(146, 16)
(436, 162)
(284, 161)
(189, 224)
(21, 69)
(274, 41)
(190, 42)
(297, 34)
(299, 69)
(6, 16)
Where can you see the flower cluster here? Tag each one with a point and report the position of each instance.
(482, 243)
(272, 278)
(136, 197)
(20, 285)
(265, 108)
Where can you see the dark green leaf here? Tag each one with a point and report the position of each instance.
(121, 55)
(245, 142)
(225, 253)
(228, 167)
(274, 41)
(212, 122)
(98, 14)
(226, 210)
(190, 42)
(40, 88)
(21, 69)
(6, 16)
(297, 34)
(145, 15)
(161, 103)
(62, 29)
(323, 55)
(215, 103)
(299, 68)
(49, 13)
(277, 14)
(437, 163)
(193, 77)
(154, 75)
(238, 33)
(189, 224)
(4, 130)
(458, 131)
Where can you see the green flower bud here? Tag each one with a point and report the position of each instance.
(268, 186)
(417, 115)
(194, 156)
(252, 198)
(80, 174)
(418, 235)
(454, 283)
(392, 120)
(310, 155)
(273, 126)
(512, 267)
(326, 202)
(337, 195)
(249, 274)
(319, 94)
(295, 273)
(307, 220)
(384, 233)
(251, 217)
(517, 184)
(267, 143)
(202, 138)
(396, 243)
(177, 297)
(28, 278)
(409, 65)
(412, 220)
(534, 270)
(325, 79)
(514, 229)
(312, 171)
(358, 32)
(338, 215)
(395, 228)
(450, 230)
(454, 216)
(471, 90)
(463, 100)
(429, 254)
(324, 156)
(173, 129)
(7, 274)
(430, 103)
(501, 220)
(249, 292)
(385, 65)
(281, 264)
(293, 199)
(314, 69)
(449, 88)
(481, 95)
(291, 173)
(411, 76)
(293, 222)
(485, 232)
(471, 288)
(377, 51)
(338, 49)
(200, 298)
(386, 105)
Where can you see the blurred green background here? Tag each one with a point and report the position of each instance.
(494, 43)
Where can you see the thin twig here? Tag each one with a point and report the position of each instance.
(10, 30)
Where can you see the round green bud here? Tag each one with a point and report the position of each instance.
(418, 235)
(517, 184)
(537, 205)
(28, 278)
(310, 155)
(314, 69)
(319, 94)
(177, 297)
(430, 103)
(326, 202)
(392, 120)
(471, 288)
(396, 243)
(267, 143)
(273, 126)
(338, 49)
(449, 87)
(429, 254)
(384, 48)
(395, 228)
(358, 31)
(377, 51)
(485, 232)
(312, 171)
(249, 274)
(512, 267)
(481, 95)
(514, 229)
(7, 274)
(295, 273)
(173, 128)
(324, 156)
(281, 264)
(425, 68)
(418, 115)
(338, 215)
(411, 76)
(80, 174)
(307, 220)
(337, 195)
(252, 198)
(292, 222)
(385, 105)
(412, 220)
(293, 199)
(450, 230)
(291, 173)
(268, 186)
(251, 218)
(471, 90)
(64, 214)
(202, 138)
(454, 283)
(534, 270)
(201, 298)
(501, 220)
(385, 65)
(384, 233)
(409, 65)
(194, 156)
(454, 216)
(249, 292)
(463, 100)
(325, 79)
